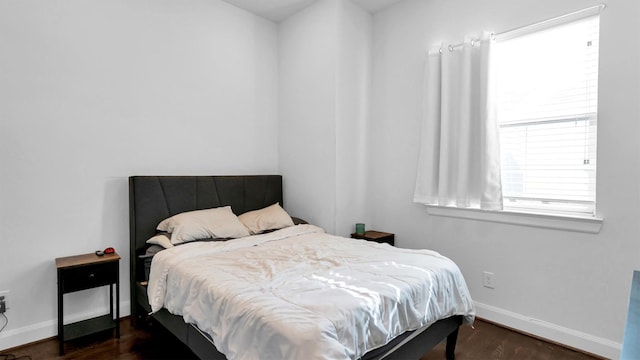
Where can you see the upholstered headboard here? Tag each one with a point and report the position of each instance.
(155, 198)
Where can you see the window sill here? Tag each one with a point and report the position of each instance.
(589, 225)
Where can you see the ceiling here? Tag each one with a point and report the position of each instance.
(277, 10)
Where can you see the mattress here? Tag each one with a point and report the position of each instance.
(299, 293)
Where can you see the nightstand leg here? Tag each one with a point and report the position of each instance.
(60, 324)
(117, 302)
(111, 300)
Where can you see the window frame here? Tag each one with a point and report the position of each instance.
(536, 205)
(587, 223)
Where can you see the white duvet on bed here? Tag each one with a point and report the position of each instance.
(299, 293)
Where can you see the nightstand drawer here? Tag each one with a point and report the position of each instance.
(89, 276)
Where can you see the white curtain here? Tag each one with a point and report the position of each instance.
(459, 152)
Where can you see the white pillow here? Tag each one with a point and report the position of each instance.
(162, 240)
(218, 223)
(269, 218)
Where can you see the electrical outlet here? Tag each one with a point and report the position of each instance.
(488, 280)
(4, 306)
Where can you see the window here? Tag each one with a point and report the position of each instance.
(546, 91)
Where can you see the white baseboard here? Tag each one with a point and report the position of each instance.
(572, 338)
(47, 329)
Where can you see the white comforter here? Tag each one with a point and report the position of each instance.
(299, 293)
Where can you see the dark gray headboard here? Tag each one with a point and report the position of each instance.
(155, 198)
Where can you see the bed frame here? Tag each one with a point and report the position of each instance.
(154, 198)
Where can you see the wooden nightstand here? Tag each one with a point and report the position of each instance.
(379, 236)
(82, 272)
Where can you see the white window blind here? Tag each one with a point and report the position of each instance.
(546, 90)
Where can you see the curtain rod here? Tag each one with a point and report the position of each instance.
(508, 34)
(474, 42)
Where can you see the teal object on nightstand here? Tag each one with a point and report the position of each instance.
(360, 229)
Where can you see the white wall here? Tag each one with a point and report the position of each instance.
(353, 98)
(307, 79)
(92, 92)
(569, 286)
(324, 98)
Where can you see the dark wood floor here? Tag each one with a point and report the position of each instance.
(485, 341)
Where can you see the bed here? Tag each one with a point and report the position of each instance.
(155, 198)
